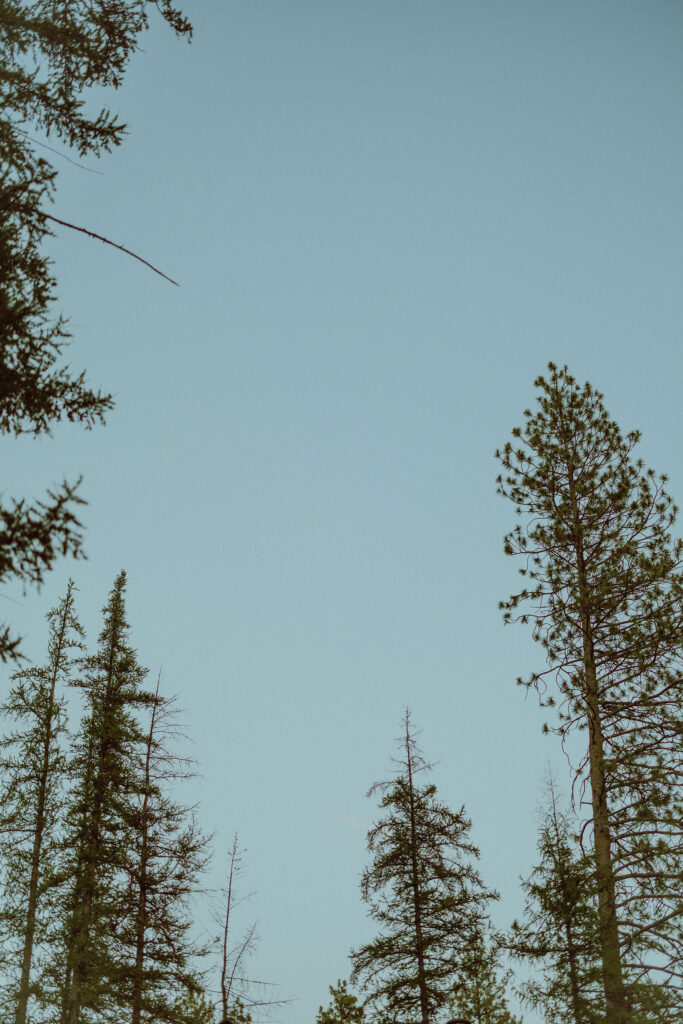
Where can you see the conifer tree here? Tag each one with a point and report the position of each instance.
(424, 892)
(195, 1008)
(560, 933)
(606, 602)
(31, 799)
(344, 1007)
(481, 996)
(165, 862)
(99, 829)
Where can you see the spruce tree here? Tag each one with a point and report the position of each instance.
(165, 861)
(606, 601)
(424, 892)
(99, 832)
(33, 767)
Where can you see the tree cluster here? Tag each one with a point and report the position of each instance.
(602, 929)
(99, 863)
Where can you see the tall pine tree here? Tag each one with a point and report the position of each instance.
(424, 892)
(606, 601)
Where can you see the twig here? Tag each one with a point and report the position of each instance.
(37, 142)
(108, 241)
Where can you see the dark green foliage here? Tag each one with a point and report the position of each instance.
(238, 1013)
(33, 770)
(560, 933)
(50, 55)
(423, 891)
(481, 995)
(100, 830)
(605, 598)
(195, 1008)
(344, 1007)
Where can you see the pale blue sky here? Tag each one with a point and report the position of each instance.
(386, 217)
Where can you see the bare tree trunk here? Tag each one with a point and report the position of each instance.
(226, 982)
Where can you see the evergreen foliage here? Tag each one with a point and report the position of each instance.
(344, 1007)
(560, 933)
(50, 55)
(481, 996)
(424, 892)
(606, 601)
(33, 768)
(100, 831)
(195, 1008)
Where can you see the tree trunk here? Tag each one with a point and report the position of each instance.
(419, 946)
(78, 952)
(141, 919)
(613, 980)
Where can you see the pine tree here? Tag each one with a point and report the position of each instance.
(560, 933)
(606, 601)
(344, 1007)
(481, 996)
(194, 1007)
(99, 829)
(423, 891)
(165, 862)
(33, 767)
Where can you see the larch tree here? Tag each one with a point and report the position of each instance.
(99, 834)
(51, 55)
(605, 598)
(165, 862)
(33, 768)
(424, 892)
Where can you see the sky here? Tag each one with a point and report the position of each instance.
(385, 219)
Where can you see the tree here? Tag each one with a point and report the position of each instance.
(344, 1007)
(236, 999)
(166, 858)
(560, 933)
(424, 892)
(50, 56)
(99, 829)
(33, 767)
(481, 996)
(606, 602)
(195, 1008)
